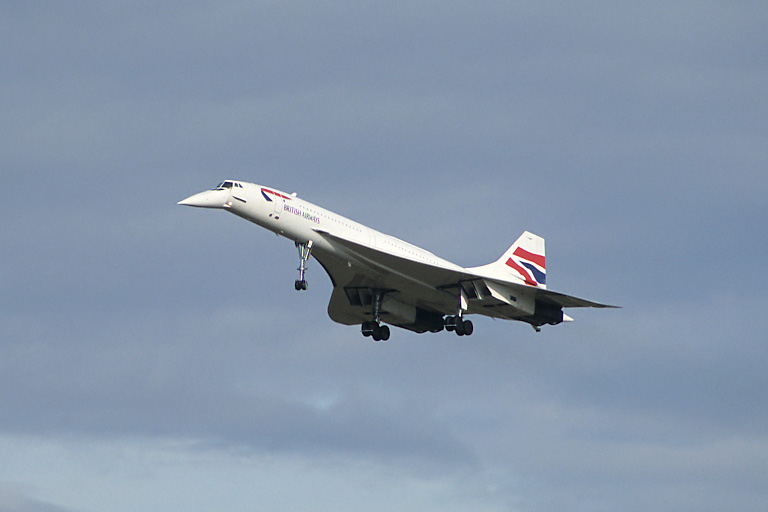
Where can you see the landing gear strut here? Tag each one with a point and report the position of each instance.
(305, 249)
(373, 328)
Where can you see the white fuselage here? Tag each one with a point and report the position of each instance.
(291, 217)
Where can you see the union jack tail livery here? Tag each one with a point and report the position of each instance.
(525, 260)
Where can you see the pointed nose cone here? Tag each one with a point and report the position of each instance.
(207, 199)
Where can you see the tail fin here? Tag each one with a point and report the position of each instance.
(524, 260)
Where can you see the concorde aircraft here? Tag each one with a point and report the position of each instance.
(379, 279)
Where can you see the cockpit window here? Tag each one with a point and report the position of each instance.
(223, 185)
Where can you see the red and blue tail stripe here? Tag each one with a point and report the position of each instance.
(529, 265)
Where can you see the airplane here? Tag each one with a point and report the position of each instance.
(379, 279)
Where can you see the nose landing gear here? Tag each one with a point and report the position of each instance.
(305, 249)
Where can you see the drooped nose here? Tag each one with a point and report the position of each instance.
(208, 199)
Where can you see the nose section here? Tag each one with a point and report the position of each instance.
(208, 199)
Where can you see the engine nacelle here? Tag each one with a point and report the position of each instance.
(395, 312)
(410, 317)
(546, 313)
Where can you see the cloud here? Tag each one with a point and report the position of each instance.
(13, 499)
(125, 383)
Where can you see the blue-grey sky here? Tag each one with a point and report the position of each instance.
(154, 357)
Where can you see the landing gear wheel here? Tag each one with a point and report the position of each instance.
(450, 323)
(300, 284)
(458, 325)
(375, 331)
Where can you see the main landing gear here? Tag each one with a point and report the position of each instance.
(376, 331)
(456, 323)
(373, 328)
(460, 326)
(305, 249)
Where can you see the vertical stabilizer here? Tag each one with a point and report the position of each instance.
(524, 260)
